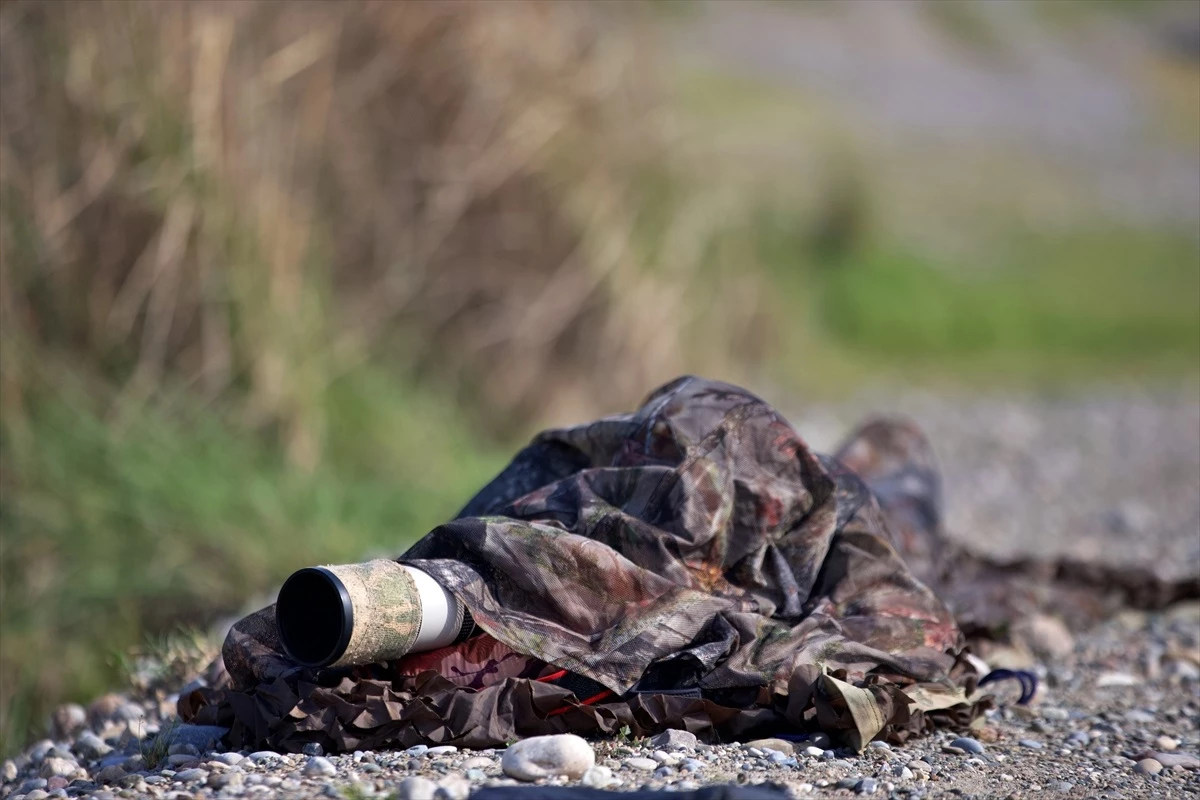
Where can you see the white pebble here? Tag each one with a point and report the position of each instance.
(546, 756)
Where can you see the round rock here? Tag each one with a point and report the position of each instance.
(967, 744)
(546, 756)
(1148, 766)
(416, 788)
(318, 765)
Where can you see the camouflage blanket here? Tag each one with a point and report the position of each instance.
(691, 565)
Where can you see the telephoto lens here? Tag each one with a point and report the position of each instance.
(350, 614)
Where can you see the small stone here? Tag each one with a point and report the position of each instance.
(546, 756)
(182, 749)
(905, 774)
(226, 780)
(674, 740)
(1055, 714)
(475, 775)
(1032, 744)
(866, 786)
(453, 787)
(663, 757)
(953, 751)
(110, 774)
(880, 745)
(1048, 636)
(414, 788)
(263, 755)
(597, 777)
(31, 784)
(9, 771)
(417, 750)
(444, 750)
(643, 764)
(1165, 743)
(664, 772)
(967, 744)
(179, 759)
(1185, 760)
(103, 709)
(1113, 679)
(1148, 766)
(815, 752)
(91, 746)
(778, 745)
(57, 766)
(231, 759)
(818, 739)
(37, 794)
(478, 762)
(189, 775)
(67, 720)
(318, 765)
(313, 749)
(1062, 786)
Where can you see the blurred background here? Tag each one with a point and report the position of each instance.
(283, 283)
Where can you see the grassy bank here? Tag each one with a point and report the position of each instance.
(136, 523)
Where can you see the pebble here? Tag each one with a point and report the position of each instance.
(479, 762)
(261, 756)
(110, 774)
(866, 786)
(1184, 760)
(417, 750)
(443, 750)
(57, 766)
(967, 744)
(1114, 679)
(674, 740)
(1062, 786)
(778, 745)
(91, 746)
(189, 775)
(1165, 743)
(454, 787)
(819, 739)
(179, 759)
(37, 794)
(1032, 744)
(1056, 714)
(318, 765)
(643, 764)
(313, 749)
(598, 777)
(9, 772)
(815, 752)
(414, 788)
(230, 759)
(1148, 766)
(546, 756)
(226, 780)
(67, 720)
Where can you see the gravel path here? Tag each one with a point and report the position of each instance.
(1115, 476)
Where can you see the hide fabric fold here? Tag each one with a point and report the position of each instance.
(692, 565)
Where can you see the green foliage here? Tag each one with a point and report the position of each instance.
(125, 527)
(1082, 304)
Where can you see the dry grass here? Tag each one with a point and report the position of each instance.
(262, 195)
(222, 222)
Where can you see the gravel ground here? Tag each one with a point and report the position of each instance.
(1115, 476)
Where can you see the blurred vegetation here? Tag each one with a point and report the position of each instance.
(284, 283)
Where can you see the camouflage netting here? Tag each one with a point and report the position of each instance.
(692, 565)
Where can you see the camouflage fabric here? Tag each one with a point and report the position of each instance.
(690, 565)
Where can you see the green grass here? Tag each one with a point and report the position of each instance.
(1047, 309)
(120, 530)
